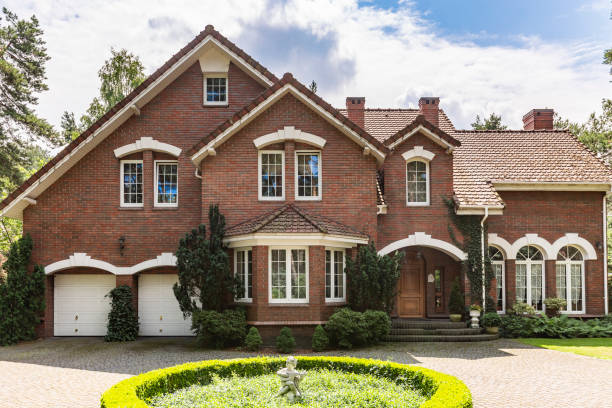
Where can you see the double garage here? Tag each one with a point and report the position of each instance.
(80, 305)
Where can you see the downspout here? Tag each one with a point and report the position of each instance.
(482, 244)
(605, 251)
(196, 174)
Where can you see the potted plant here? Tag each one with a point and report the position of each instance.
(491, 323)
(554, 306)
(475, 314)
(455, 305)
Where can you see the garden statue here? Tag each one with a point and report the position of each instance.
(290, 380)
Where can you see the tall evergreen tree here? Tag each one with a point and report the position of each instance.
(493, 122)
(596, 132)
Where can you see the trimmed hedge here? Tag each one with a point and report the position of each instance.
(442, 390)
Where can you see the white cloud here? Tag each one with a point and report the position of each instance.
(390, 56)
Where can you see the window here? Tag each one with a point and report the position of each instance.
(570, 278)
(530, 277)
(215, 90)
(498, 265)
(243, 260)
(166, 176)
(308, 175)
(271, 175)
(417, 183)
(288, 275)
(131, 183)
(335, 278)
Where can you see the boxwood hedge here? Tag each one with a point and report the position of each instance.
(442, 390)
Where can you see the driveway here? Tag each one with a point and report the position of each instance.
(73, 372)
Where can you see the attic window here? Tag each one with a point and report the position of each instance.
(215, 89)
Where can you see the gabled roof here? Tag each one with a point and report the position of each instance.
(291, 219)
(287, 84)
(420, 123)
(127, 107)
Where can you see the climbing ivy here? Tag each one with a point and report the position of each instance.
(469, 227)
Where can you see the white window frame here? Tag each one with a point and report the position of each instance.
(246, 288)
(288, 299)
(529, 262)
(156, 181)
(259, 175)
(320, 183)
(205, 86)
(502, 263)
(121, 181)
(333, 299)
(427, 171)
(568, 276)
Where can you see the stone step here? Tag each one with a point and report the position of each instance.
(426, 324)
(441, 338)
(435, 332)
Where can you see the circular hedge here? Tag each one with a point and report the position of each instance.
(442, 390)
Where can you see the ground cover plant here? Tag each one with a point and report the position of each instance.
(556, 327)
(320, 389)
(599, 348)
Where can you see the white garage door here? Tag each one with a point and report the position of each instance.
(158, 310)
(79, 305)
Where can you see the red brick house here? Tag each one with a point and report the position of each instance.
(301, 185)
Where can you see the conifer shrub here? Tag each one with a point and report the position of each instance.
(253, 339)
(122, 319)
(219, 329)
(285, 342)
(456, 304)
(320, 341)
(348, 328)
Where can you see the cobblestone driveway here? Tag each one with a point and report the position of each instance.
(70, 372)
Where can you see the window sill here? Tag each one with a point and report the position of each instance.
(215, 105)
(165, 208)
(308, 198)
(288, 304)
(243, 301)
(272, 199)
(335, 302)
(131, 208)
(417, 204)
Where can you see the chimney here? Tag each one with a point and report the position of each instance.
(355, 107)
(538, 119)
(428, 107)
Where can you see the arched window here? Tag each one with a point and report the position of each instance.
(570, 278)
(417, 183)
(530, 276)
(498, 265)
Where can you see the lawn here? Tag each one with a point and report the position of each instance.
(599, 347)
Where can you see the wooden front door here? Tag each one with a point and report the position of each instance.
(411, 296)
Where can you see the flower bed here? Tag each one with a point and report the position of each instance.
(439, 389)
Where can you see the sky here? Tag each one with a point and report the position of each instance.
(478, 56)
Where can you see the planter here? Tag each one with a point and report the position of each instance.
(455, 317)
(474, 314)
(492, 330)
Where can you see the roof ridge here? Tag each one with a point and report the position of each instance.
(385, 109)
(271, 216)
(308, 218)
(513, 131)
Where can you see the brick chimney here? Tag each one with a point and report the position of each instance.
(539, 119)
(355, 106)
(428, 106)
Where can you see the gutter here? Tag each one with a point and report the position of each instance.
(482, 245)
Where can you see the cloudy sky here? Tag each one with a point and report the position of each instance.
(478, 56)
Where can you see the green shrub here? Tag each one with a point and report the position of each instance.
(556, 327)
(285, 342)
(442, 390)
(554, 306)
(22, 295)
(253, 340)
(347, 328)
(522, 309)
(456, 304)
(320, 341)
(219, 329)
(491, 320)
(122, 319)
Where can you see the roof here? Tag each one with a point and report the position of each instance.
(420, 122)
(291, 219)
(486, 158)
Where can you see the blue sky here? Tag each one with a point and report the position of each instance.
(478, 56)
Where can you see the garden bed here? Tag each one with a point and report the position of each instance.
(420, 385)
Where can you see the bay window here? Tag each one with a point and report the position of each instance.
(288, 279)
(243, 261)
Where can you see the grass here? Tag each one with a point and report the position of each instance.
(592, 347)
(320, 389)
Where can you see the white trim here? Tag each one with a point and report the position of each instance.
(427, 174)
(480, 210)
(147, 143)
(549, 186)
(319, 196)
(333, 299)
(431, 135)
(500, 243)
(289, 133)
(82, 260)
(15, 208)
(213, 75)
(503, 274)
(288, 88)
(288, 261)
(528, 264)
(246, 250)
(568, 282)
(156, 181)
(532, 239)
(121, 181)
(418, 152)
(302, 239)
(381, 209)
(605, 254)
(422, 239)
(259, 174)
(572, 239)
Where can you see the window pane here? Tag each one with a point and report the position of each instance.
(521, 283)
(298, 274)
(498, 268)
(416, 182)
(167, 183)
(328, 273)
(132, 183)
(271, 175)
(561, 281)
(216, 89)
(576, 292)
(536, 286)
(279, 274)
(308, 174)
(338, 274)
(249, 275)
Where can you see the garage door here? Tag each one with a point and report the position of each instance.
(158, 310)
(79, 305)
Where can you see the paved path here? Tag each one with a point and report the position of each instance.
(70, 372)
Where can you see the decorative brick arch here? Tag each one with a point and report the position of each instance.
(289, 133)
(425, 240)
(533, 239)
(588, 251)
(82, 260)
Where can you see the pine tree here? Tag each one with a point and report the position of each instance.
(493, 122)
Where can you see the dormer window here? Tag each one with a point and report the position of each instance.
(215, 89)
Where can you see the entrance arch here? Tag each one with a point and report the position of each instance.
(425, 240)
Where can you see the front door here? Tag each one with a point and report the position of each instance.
(411, 296)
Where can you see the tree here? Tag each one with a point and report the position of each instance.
(608, 58)
(313, 86)
(596, 132)
(493, 122)
(22, 76)
(70, 130)
(205, 279)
